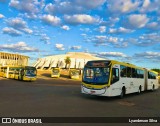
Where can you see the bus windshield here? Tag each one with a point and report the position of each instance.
(30, 72)
(96, 75)
(75, 73)
(55, 71)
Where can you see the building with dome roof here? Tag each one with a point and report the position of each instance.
(78, 60)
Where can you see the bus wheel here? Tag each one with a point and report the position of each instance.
(153, 88)
(139, 90)
(122, 93)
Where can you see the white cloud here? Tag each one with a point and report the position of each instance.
(85, 29)
(59, 47)
(27, 30)
(153, 26)
(102, 40)
(18, 47)
(101, 37)
(72, 6)
(102, 29)
(113, 39)
(148, 55)
(1, 16)
(90, 4)
(19, 24)
(124, 30)
(112, 30)
(75, 47)
(50, 8)
(11, 31)
(149, 6)
(146, 3)
(110, 22)
(81, 19)
(145, 40)
(30, 16)
(120, 30)
(65, 7)
(51, 20)
(45, 39)
(137, 21)
(122, 6)
(114, 19)
(83, 34)
(112, 54)
(65, 27)
(15, 4)
(27, 6)
(121, 45)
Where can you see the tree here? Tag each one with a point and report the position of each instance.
(67, 61)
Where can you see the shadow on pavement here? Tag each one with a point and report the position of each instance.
(65, 76)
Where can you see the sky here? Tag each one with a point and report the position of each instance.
(123, 30)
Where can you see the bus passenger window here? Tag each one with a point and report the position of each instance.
(151, 75)
(123, 71)
(115, 75)
(138, 73)
(141, 74)
(129, 72)
(154, 76)
(134, 73)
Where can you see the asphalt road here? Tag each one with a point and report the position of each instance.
(48, 97)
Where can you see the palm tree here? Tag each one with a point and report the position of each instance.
(67, 61)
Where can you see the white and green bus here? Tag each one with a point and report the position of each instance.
(55, 72)
(25, 73)
(74, 74)
(114, 78)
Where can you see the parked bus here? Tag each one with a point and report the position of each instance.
(7, 71)
(25, 73)
(55, 72)
(2, 68)
(74, 74)
(113, 78)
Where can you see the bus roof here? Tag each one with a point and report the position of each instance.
(126, 64)
(153, 71)
(114, 62)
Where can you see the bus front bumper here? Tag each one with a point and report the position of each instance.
(74, 77)
(26, 78)
(56, 76)
(92, 91)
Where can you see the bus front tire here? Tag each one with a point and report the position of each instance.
(139, 90)
(153, 88)
(122, 92)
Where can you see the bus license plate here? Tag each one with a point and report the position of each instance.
(93, 92)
